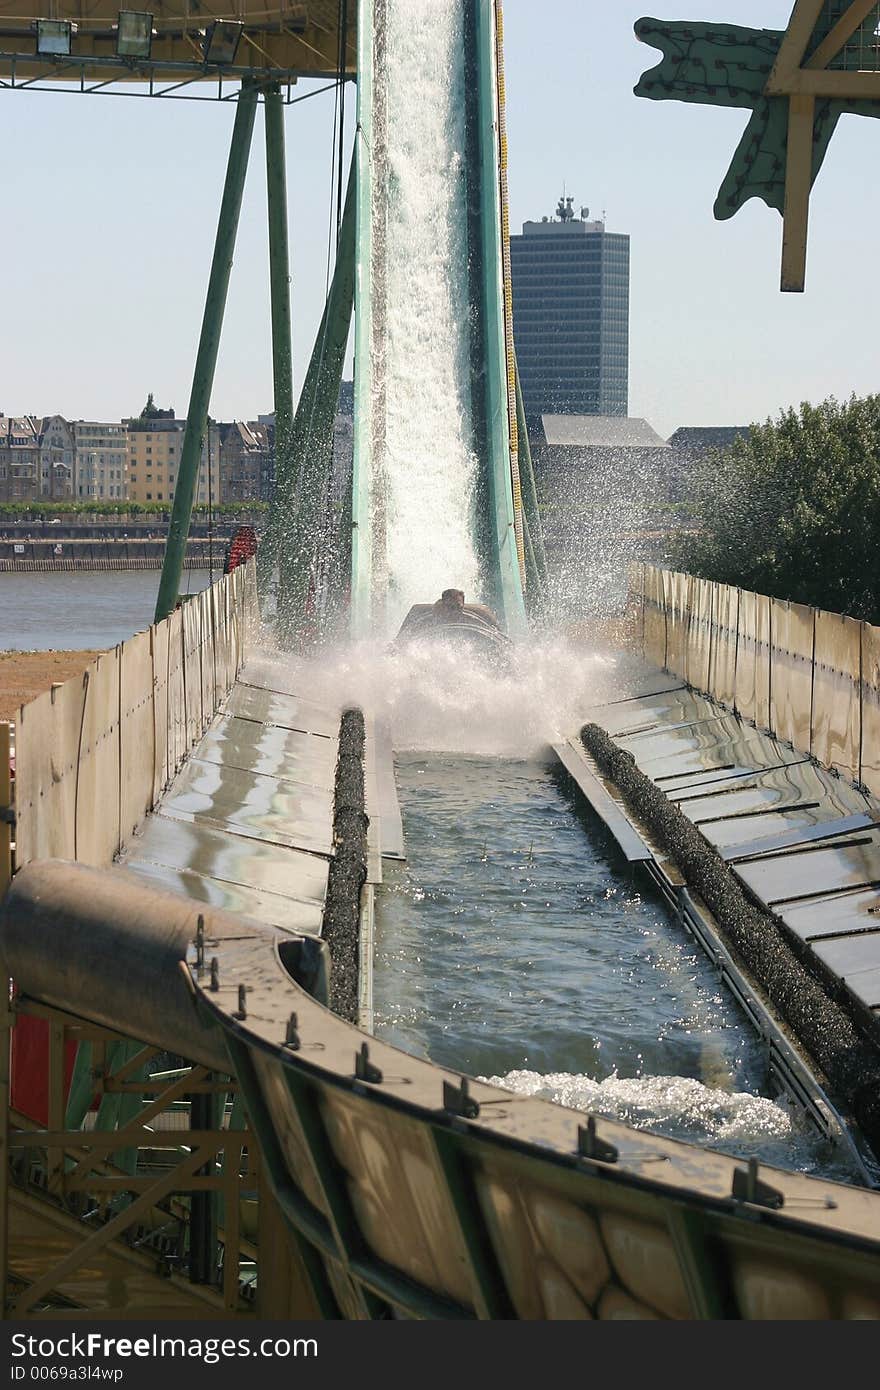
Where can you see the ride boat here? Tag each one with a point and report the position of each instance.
(470, 627)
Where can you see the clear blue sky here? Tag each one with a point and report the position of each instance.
(111, 210)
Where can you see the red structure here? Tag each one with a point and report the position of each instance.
(242, 546)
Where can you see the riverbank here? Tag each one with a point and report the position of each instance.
(24, 675)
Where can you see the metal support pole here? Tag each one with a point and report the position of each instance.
(527, 480)
(206, 358)
(204, 1115)
(279, 284)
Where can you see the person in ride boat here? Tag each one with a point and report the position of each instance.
(449, 610)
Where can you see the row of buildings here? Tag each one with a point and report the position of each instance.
(49, 458)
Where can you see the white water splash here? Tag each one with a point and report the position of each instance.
(428, 461)
(436, 698)
(660, 1103)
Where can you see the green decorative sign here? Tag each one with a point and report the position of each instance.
(727, 65)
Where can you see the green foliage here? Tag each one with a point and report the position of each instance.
(793, 509)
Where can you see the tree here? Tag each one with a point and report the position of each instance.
(793, 509)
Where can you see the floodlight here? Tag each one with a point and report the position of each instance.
(54, 36)
(134, 34)
(223, 39)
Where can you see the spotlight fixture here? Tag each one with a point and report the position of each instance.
(54, 37)
(223, 40)
(134, 34)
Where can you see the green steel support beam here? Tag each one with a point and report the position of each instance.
(297, 516)
(527, 483)
(206, 357)
(279, 285)
(508, 585)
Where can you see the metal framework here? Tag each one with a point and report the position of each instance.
(84, 1233)
(278, 41)
(190, 82)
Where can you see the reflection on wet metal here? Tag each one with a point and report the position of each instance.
(791, 874)
(792, 785)
(259, 806)
(288, 754)
(836, 914)
(281, 710)
(229, 858)
(729, 745)
(710, 783)
(648, 729)
(676, 706)
(385, 831)
(856, 960)
(288, 914)
(804, 828)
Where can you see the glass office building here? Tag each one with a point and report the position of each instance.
(571, 315)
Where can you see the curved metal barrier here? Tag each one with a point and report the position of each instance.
(413, 1193)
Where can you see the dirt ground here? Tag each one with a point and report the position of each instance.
(24, 675)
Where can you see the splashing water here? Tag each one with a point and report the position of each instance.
(435, 697)
(428, 460)
(679, 1106)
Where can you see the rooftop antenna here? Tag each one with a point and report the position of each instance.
(564, 209)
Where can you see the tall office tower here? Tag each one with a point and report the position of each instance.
(571, 315)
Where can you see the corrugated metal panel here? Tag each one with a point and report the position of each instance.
(177, 740)
(288, 914)
(870, 710)
(161, 773)
(206, 657)
(192, 671)
(746, 654)
(723, 666)
(836, 720)
(284, 711)
(98, 784)
(628, 718)
(47, 743)
(136, 732)
(702, 597)
(786, 877)
(791, 688)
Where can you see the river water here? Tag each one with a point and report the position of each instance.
(81, 610)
